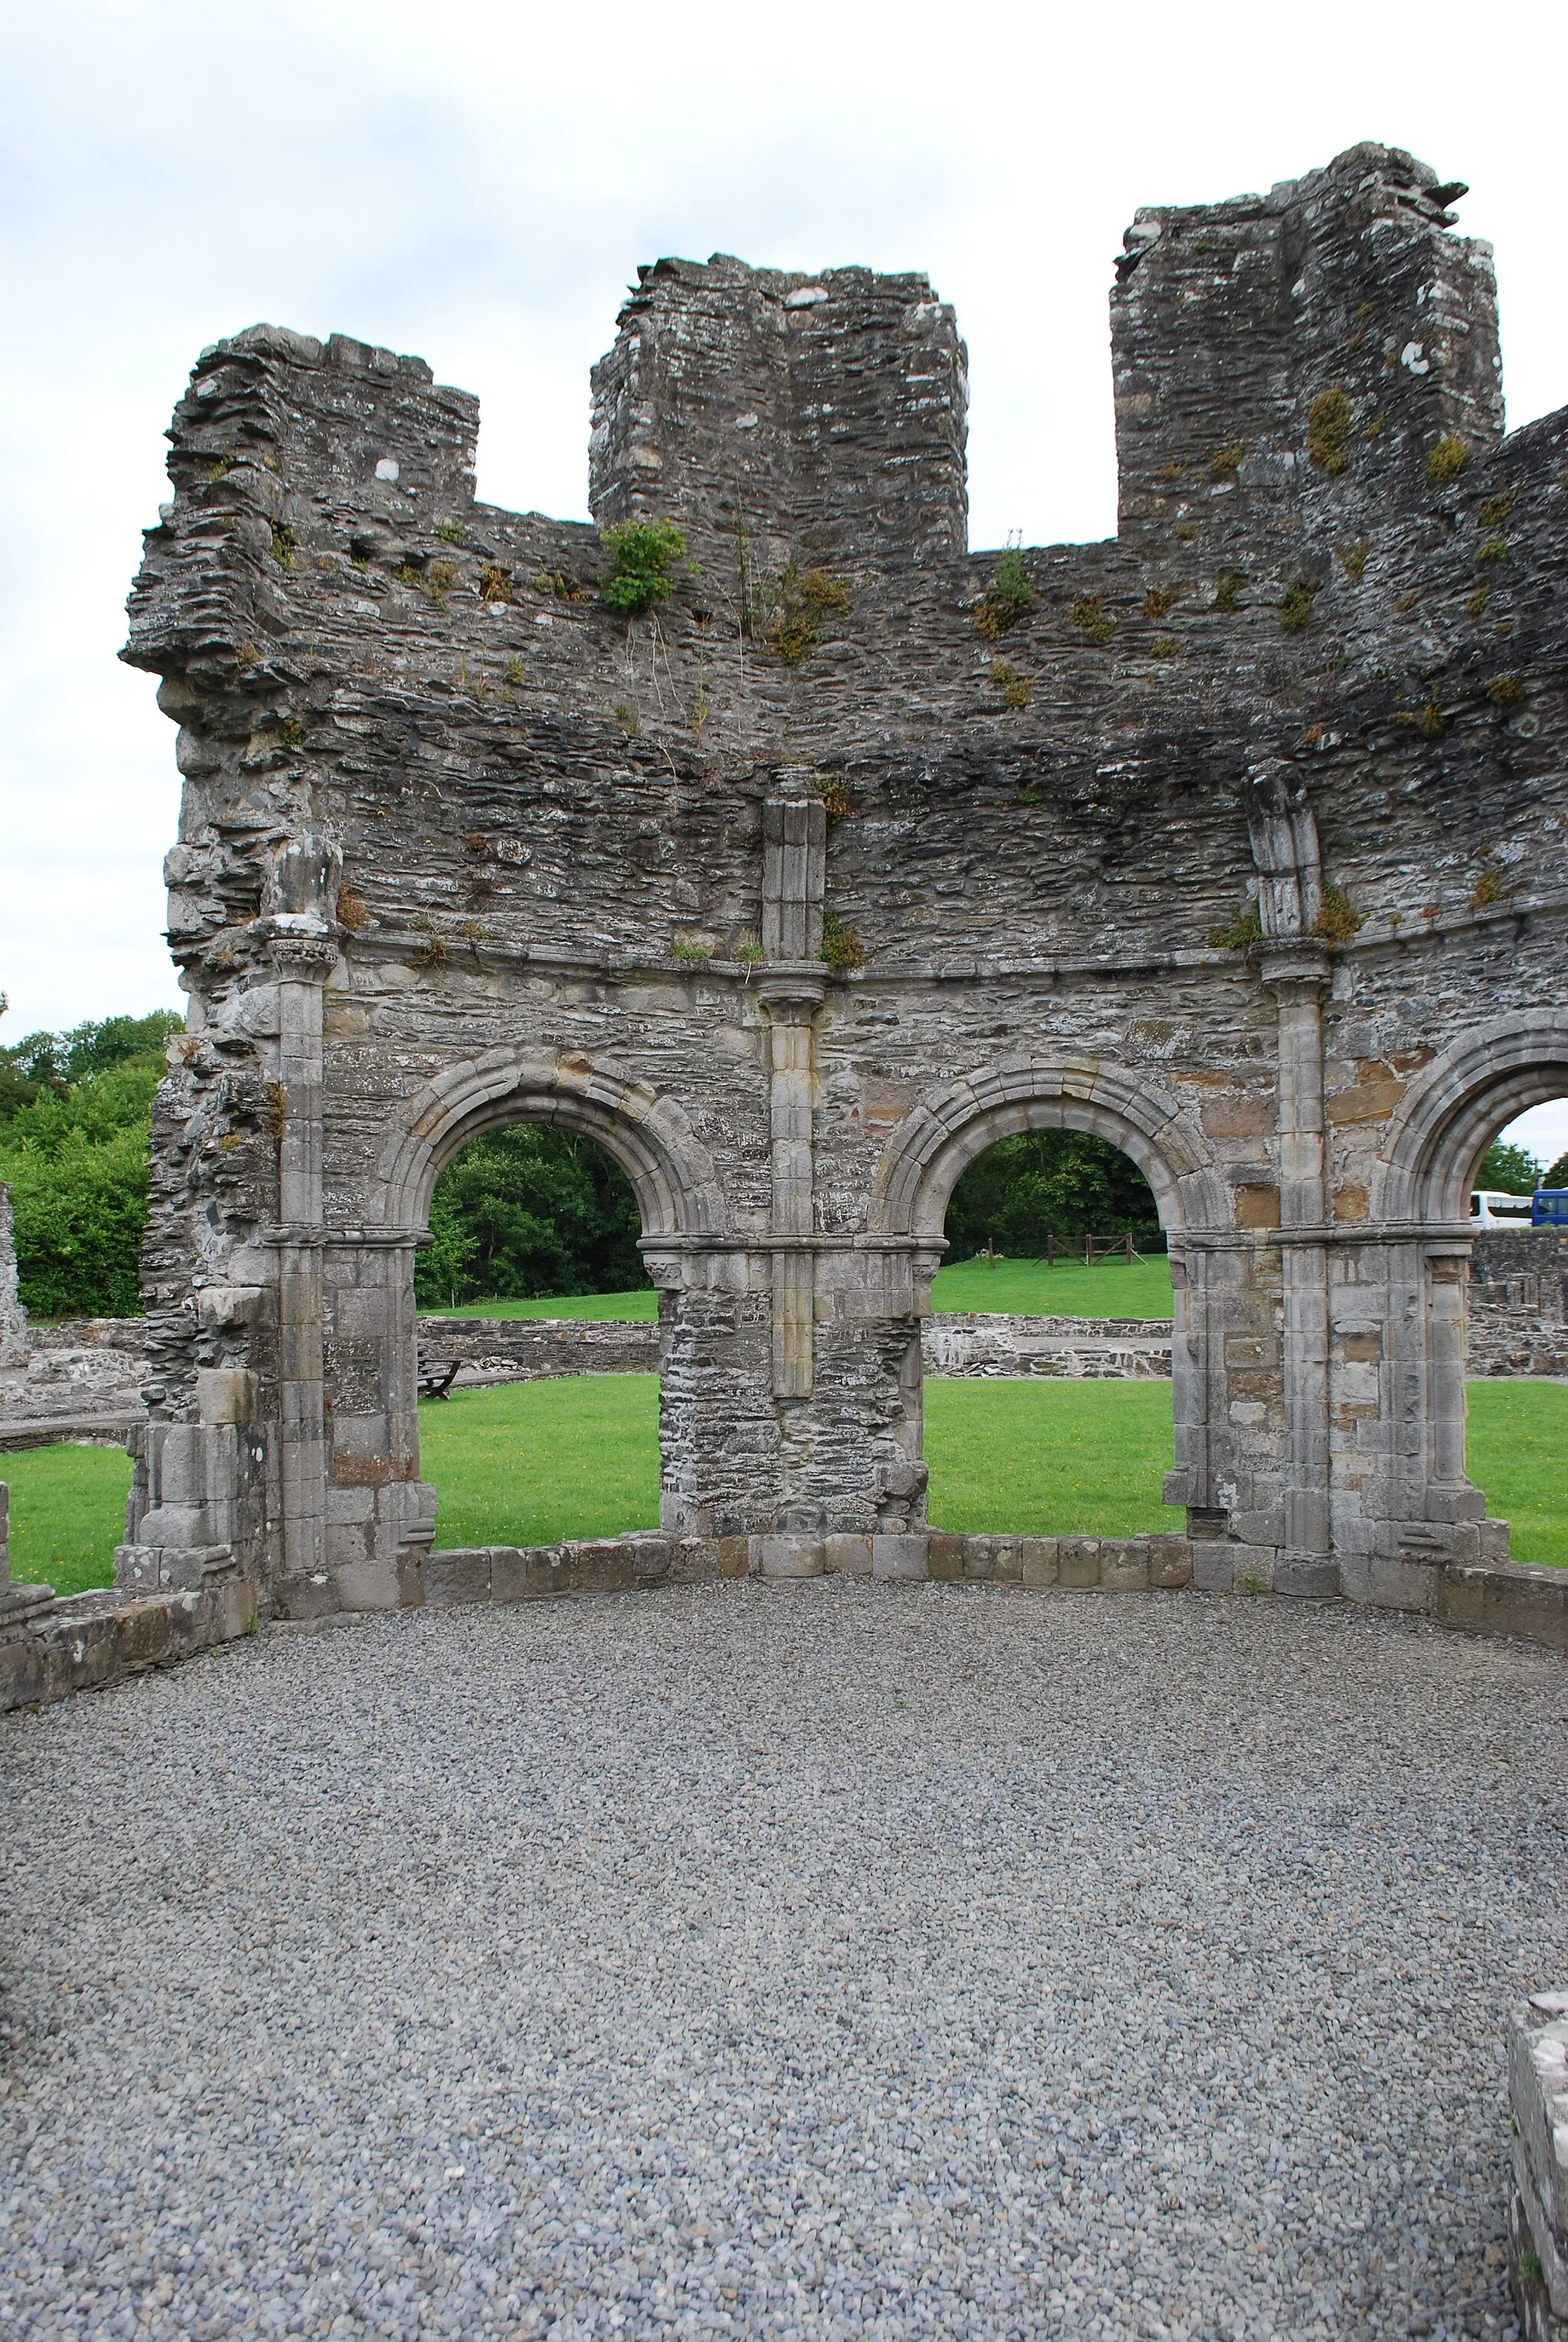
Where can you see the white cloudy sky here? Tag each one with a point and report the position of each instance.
(478, 185)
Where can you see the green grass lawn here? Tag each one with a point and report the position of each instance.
(1044, 1457)
(528, 1463)
(1516, 1448)
(67, 1513)
(1021, 1288)
(1027, 1289)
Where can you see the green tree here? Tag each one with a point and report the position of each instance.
(1556, 1174)
(79, 1212)
(529, 1211)
(1060, 1183)
(41, 1064)
(75, 1111)
(441, 1269)
(1508, 1170)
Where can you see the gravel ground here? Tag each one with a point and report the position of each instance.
(814, 1960)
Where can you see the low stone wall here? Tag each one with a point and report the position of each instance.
(507, 1573)
(1483, 1598)
(526, 1350)
(82, 1378)
(529, 1349)
(87, 1640)
(1118, 1349)
(90, 1640)
(1537, 2041)
(1519, 1303)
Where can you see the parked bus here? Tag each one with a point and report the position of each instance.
(1494, 1209)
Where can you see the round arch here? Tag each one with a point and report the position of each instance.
(1456, 1104)
(671, 1172)
(947, 1131)
(950, 1128)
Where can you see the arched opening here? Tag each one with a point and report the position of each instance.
(1168, 1163)
(527, 1214)
(1516, 1332)
(677, 1202)
(537, 1343)
(1047, 1404)
(1483, 1131)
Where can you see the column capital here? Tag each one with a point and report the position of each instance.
(800, 986)
(1294, 965)
(301, 948)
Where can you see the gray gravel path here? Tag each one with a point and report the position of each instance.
(817, 1960)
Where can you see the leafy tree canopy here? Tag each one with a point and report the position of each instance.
(1509, 1170)
(527, 1211)
(1060, 1183)
(75, 1111)
(45, 1064)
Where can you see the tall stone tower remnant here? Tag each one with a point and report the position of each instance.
(1240, 840)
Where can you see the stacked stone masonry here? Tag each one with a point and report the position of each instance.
(1538, 2221)
(1519, 1304)
(1239, 840)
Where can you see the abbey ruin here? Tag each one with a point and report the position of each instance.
(1238, 840)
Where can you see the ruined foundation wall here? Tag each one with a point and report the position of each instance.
(1239, 840)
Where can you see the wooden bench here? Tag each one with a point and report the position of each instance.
(436, 1375)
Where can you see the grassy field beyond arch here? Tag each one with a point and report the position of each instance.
(531, 1463)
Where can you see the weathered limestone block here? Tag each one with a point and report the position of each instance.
(1538, 2228)
(899, 1555)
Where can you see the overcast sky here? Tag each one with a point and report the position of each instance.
(478, 185)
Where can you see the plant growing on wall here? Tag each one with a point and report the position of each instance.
(1328, 429)
(1295, 604)
(1090, 615)
(841, 944)
(1338, 922)
(1010, 683)
(1007, 598)
(1447, 458)
(805, 597)
(641, 552)
(1242, 927)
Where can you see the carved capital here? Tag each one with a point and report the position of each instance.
(1293, 969)
(299, 958)
(793, 995)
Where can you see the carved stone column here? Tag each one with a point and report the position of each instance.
(302, 962)
(791, 1002)
(794, 854)
(1449, 1496)
(1297, 974)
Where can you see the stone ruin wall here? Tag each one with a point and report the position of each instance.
(458, 845)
